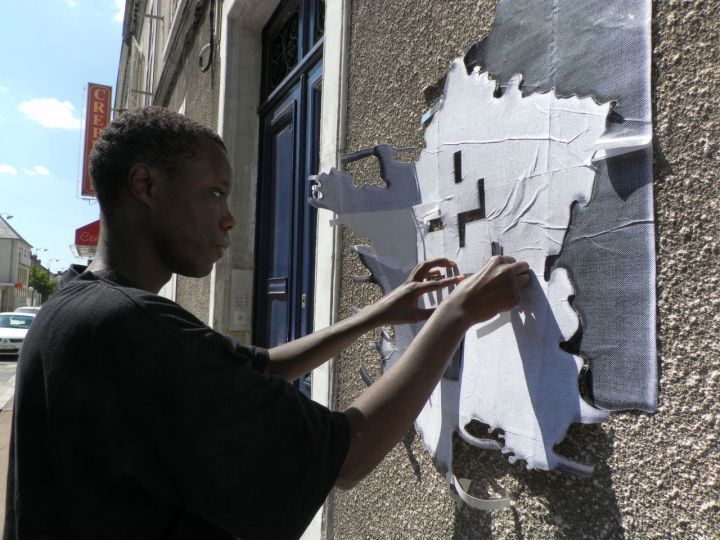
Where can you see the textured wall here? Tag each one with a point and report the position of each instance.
(655, 476)
(201, 94)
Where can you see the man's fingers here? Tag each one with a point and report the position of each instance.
(523, 279)
(520, 267)
(428, 286)
(503, 259)
(421, 271)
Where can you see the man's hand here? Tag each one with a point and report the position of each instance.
(382, 414)
(493, 289)
(402, 304)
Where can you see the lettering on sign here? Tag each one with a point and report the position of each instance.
(98, 116)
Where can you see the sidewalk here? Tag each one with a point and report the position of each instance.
(7, 395)
(5, 426)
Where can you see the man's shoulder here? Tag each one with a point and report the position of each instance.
(85, 296)
(92, 296)
(97, 299)
(93, 313)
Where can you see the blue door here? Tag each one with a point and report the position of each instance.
(289, 141)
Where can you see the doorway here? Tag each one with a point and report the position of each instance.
(289, 116)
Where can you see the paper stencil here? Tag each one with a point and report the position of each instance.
(599, 48)
(496, 173)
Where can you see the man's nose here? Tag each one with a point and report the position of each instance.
(227, 222)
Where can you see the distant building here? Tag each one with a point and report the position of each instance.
(15, 264)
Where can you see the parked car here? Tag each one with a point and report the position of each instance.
(28, 309)
(13, 327)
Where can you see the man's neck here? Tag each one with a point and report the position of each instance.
(126, 254)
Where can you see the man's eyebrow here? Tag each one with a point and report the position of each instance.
(225, 183)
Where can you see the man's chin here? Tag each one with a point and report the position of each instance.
(196, 271)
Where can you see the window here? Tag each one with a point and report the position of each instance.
(294, 30)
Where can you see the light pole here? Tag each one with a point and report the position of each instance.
(50, 264)
(39, 249)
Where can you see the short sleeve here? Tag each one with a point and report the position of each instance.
(259, 357)
(203, 428)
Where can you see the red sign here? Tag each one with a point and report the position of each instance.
(96, 118)
(88, 235)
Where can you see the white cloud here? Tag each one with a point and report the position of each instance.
(3, 88)
(71, 3)
(7, 169)
(120, 13)
(51, 113)
(37, 170)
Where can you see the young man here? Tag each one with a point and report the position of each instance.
(135, 420)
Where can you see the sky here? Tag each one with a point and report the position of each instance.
(51, 50)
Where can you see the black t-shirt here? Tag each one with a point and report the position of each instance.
(135, 420)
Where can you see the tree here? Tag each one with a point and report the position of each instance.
(40, 281)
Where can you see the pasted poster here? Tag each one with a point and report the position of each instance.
(539, 149)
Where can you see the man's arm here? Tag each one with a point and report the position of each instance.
(384, 412)
(295, 358)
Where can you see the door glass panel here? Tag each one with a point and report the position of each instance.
(319, 26)
(282, 45)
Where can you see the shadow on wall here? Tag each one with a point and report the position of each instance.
(576, 507)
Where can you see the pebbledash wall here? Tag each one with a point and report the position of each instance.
(656, 476)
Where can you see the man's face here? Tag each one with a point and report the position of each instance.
(191, 219)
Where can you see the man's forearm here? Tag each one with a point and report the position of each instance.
(295, 358)
(385, 411)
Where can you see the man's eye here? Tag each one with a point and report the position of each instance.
(217, 193)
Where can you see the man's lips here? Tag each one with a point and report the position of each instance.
(221, 249)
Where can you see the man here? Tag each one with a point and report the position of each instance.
(135, 420)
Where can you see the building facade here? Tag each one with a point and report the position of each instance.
(15, 263)
(291, 85)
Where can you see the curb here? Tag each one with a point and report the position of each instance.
(9, 405)
(7, 397)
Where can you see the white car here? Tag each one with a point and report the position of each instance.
(28, 309)
(13, 327)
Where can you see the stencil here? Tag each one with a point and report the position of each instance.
(494, 172)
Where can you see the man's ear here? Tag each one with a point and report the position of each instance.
(141, 182)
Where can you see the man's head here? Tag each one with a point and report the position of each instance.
(151, 135)
(163, 183)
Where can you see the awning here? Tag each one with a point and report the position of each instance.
(86, 239)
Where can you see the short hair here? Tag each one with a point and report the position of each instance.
(152, 135)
